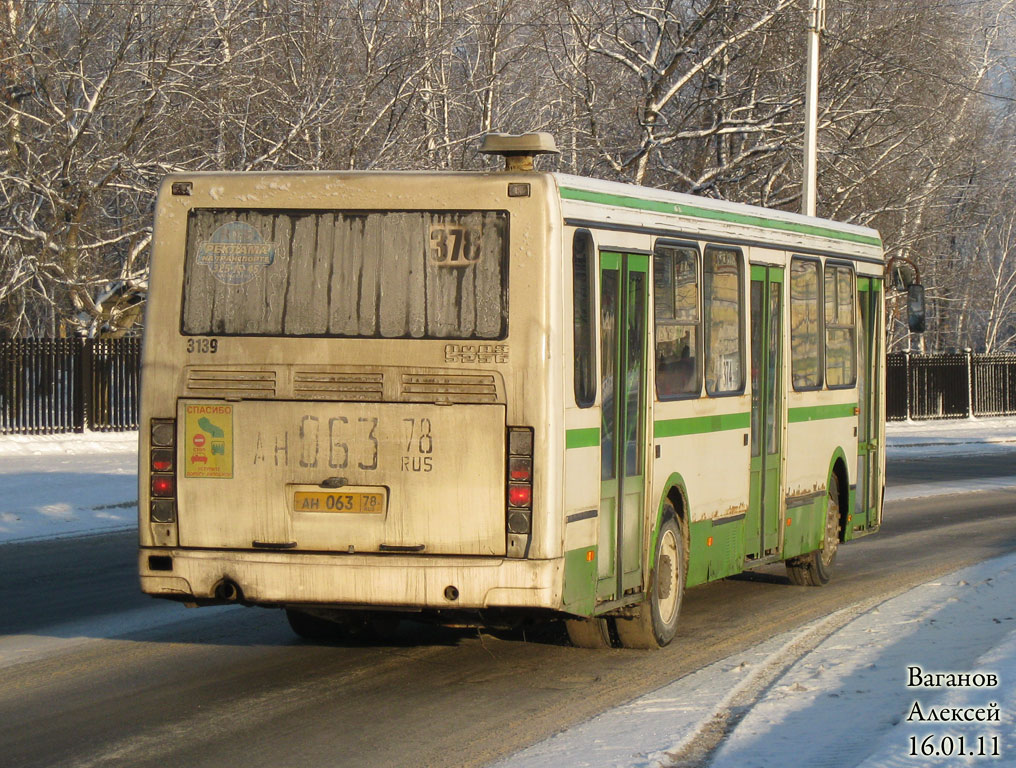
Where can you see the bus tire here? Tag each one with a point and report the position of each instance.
(654, 622)
(815, 569)
(311, 627)
(588, 633)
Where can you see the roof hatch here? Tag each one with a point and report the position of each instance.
(518, 150)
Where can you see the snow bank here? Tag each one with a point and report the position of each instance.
(78, 444)
(850, 698)
(951, 437)
(60, 485)
(834, 692)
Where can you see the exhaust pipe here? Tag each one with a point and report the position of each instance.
(228, 590)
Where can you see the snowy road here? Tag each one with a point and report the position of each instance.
(92, 674)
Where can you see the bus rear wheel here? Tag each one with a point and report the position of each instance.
(588, 633)
(815, 569)
(311, 627)
(655, 621)
(341, 625)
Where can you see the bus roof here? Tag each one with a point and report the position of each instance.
(601, 204)
(619, 204)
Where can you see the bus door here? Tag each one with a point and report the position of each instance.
(866, 499)
(623, 288)
(762, 524)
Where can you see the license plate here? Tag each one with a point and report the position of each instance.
(354, 502)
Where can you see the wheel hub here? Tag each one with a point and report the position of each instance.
(665, 576)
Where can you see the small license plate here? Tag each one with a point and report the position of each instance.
(354, 502)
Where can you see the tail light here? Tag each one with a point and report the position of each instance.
(163, 486)
(520, 481)
(520, 496)
(520, 470)
(162, 463)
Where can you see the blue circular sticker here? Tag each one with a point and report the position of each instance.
(236, 253)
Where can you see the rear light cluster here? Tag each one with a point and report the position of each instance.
(520, 480)
(163, 471)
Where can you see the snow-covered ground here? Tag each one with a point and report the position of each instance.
(60, 485)
(950, 437)
(832, 693)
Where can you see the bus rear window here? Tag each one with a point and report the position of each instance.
(390, 274)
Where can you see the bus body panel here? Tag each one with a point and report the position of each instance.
(356, 477)
(444, 524)
(391, 581)
(472, 391)
(702, 440)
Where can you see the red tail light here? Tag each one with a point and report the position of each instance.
(520, 470)
(519, 515)
(520, 495)
(163, 485)
(162, 461)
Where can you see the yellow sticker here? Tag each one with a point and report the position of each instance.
(208, 441)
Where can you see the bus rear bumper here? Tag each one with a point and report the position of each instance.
(390, 581)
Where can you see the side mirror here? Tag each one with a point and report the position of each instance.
(915, 308)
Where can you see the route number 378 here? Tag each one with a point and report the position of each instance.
(452, 246)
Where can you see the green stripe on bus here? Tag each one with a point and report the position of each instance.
(610, 260)
(698, 425)
(581, 438)
(758, 272)
(696, 212)
(819, 412)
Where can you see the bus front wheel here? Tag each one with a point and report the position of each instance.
(655, 621)
(815, 569)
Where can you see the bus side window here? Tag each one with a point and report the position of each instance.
(582, 295)
(723, 312)
(678, 349)
(840, 351)
(805, 336)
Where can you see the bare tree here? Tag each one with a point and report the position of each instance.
(84, 88)
(98, 101)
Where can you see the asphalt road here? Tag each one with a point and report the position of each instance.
(237, 688)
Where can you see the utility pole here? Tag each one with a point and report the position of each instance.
(816, 25)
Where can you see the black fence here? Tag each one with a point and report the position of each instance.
(952, 386)
(69, 385)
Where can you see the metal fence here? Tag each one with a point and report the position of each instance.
(950, 386)
(69, 385)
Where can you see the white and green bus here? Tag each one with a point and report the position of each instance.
(493, 396)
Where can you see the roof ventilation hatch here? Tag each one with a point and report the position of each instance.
(518, 150)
